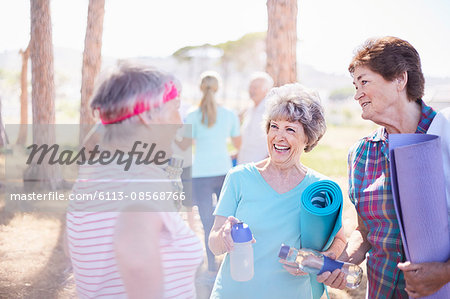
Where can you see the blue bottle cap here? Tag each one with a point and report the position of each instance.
(284, 250)
(241, 233)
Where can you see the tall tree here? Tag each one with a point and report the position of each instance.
(3, 136)
(23, 97)
(92, 60)
(43, 90)
(42, 73)
(281, 43)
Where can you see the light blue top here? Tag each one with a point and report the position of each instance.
(211, 156)
(274, 219)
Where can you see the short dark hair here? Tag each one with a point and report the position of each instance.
(391, 56)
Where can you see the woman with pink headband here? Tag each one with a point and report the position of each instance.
(124, 240)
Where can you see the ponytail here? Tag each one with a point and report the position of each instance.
(208, 105)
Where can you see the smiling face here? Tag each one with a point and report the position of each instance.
(377, 97)
(286, 141)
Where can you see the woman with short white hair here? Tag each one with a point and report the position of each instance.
(266, 195)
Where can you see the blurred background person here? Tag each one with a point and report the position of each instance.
(254, 140)
(212, 126)
(186, 175)
(266, 195)
(127, 249)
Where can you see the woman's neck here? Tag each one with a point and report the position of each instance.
(283, 170)
(281, 179)
(405, 119)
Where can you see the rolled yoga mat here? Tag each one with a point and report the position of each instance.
(418, 187)
(320, 220)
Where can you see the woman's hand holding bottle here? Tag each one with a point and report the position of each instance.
(225, 233)
(337, 274)
(335, 279)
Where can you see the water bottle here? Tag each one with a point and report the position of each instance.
(241, 257)
(174, 170)
(314, 262)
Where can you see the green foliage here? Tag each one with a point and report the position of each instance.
(245, 42)
(10, 78)
(245, 51)
(67, 110)
(342, 93)
(182, 53)
(241, 52)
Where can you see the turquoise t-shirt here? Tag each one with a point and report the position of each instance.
(273, 219)
(211, 156)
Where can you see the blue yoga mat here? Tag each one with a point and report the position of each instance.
(321, 219)
(418, 187)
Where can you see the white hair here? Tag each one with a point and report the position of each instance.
(295, 103)
(120, 90)
(268, 81)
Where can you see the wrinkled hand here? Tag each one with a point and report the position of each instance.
(225, 233)
(423, 279)
(292, 268)
(335, 279)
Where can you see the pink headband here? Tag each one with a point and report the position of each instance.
(170, 93)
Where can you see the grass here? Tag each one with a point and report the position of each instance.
(327, 160)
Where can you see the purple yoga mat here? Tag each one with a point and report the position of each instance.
(418, 186)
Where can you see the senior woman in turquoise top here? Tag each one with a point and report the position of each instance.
(266, 196)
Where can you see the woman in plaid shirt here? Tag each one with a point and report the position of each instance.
(389, 87)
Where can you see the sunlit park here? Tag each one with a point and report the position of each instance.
(54, 54)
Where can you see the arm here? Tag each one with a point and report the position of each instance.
(136, 245)
(220, 237)
(426, 278)
(338, 245)
(184, 143)
(336, 248)
(358, 245)
(237, 141)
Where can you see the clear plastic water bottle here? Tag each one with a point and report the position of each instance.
(241, 257)
(314, 262)
(174, 170)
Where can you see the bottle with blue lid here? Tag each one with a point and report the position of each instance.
(241, 257)
(314, 262)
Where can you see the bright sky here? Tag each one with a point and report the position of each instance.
(328, 30)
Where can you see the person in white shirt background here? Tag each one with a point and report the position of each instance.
(254, 144)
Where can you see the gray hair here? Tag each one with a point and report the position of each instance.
(268, 81)
(295, 103)
(121, 89)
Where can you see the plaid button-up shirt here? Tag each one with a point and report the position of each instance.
(371, 193)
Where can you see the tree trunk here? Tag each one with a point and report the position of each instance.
(43, 93)
(42, 74)
(281, 43)
(3, 136)
(23, 97)
(92, 60)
